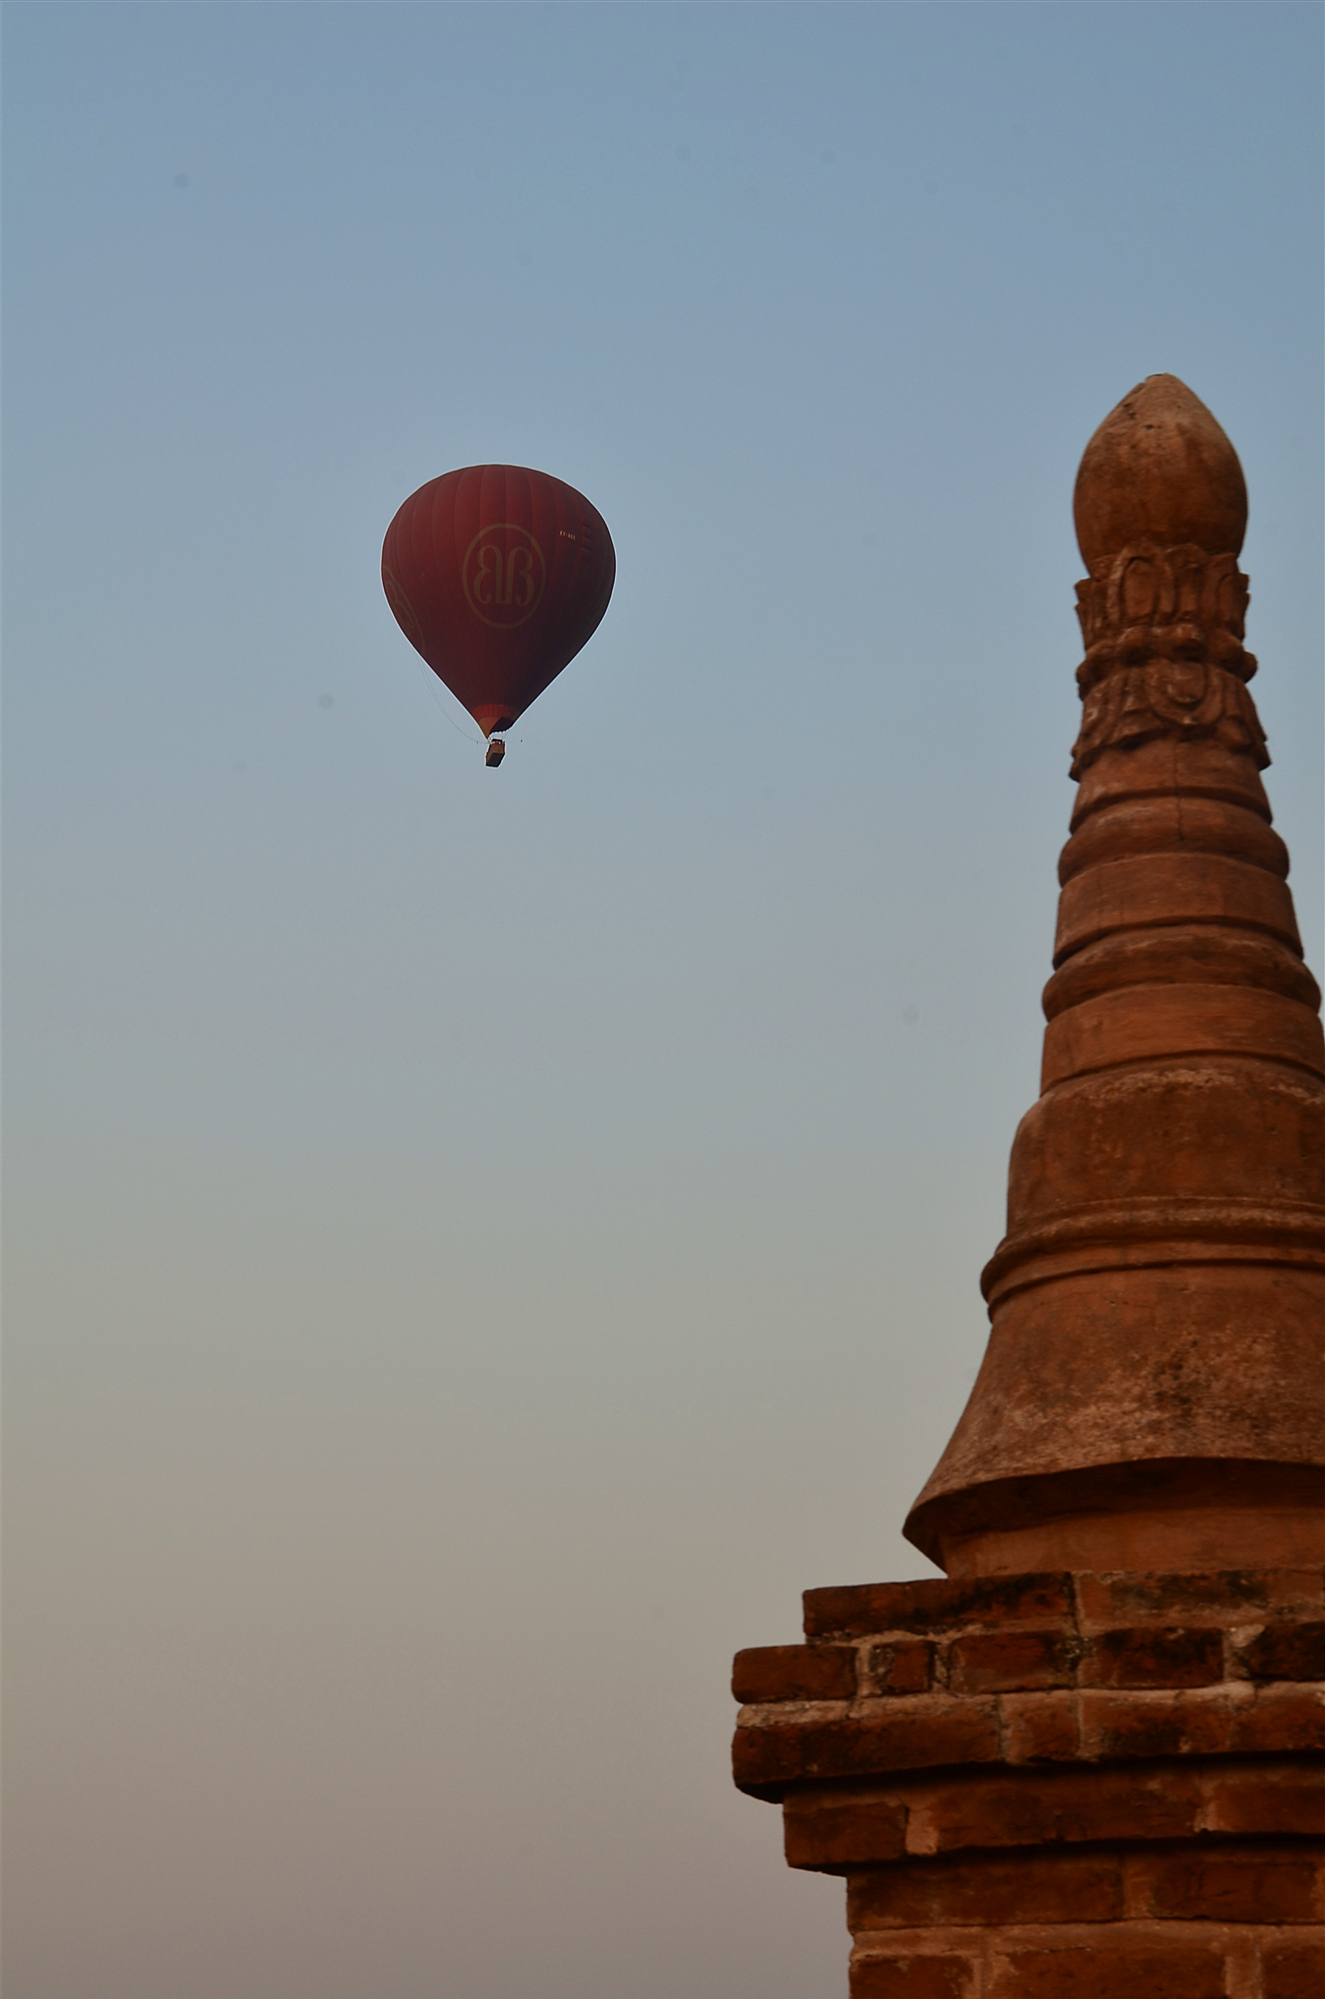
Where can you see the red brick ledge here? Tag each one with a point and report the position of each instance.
(1128, 1960)
(838, 1828)
(1241, 1882)
(1036, 1670)
(1089, 1602)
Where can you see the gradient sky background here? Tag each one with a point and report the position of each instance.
(481, 1243)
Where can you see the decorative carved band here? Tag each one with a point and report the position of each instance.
(1152, 589)
(1164, 653)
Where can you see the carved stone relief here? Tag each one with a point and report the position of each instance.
(1164, 653)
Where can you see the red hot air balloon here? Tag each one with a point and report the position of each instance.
(498, 576)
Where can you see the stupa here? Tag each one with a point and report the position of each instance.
(1089, 1762)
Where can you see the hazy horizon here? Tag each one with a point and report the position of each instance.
(481, 1243)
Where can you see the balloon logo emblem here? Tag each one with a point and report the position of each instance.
(503, 574)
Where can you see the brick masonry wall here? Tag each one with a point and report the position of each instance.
(1040, 1785)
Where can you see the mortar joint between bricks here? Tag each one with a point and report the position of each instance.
(1206, 1781)
(1237, 1638)
(1086, 1752)
(908, 1813)
(1243, 1971)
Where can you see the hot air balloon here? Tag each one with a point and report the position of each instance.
(497, 575)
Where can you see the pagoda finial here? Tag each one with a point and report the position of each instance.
(1158, 469)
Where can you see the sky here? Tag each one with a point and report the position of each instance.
(481, 1243)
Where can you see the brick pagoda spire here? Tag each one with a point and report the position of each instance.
(1088, 1763)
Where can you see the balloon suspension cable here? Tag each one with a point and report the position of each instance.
(431, 679)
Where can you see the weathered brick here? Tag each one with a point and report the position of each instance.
(1157, 1724)
(946, 1977)
(1281, 1719)
(766, 1760)
(1154, 1656)
(795, 1673)
(1293, 1971)
(901, 1666)
(937, 1604)
(1285, 1651)
(1040, 1728)
(1033, 1888)
(1044, 1807)
(903, 1735)
(1234, 1596)
(1247, 1885)
(831, 1834)
(1110, 1970)
(1253, 1799)
(1001, 1661)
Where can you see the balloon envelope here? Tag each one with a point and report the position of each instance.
(497, 575)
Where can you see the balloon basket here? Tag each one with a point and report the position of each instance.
(496, 751)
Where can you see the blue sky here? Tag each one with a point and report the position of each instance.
(481, 1243)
